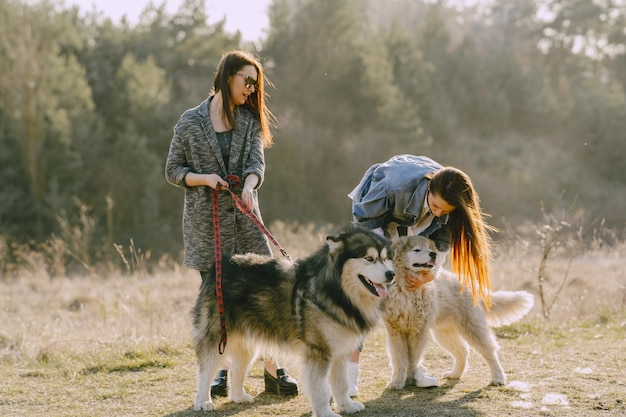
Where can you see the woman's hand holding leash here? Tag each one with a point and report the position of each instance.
(247, 197)
(216, 182)
(212, 180)
(247, 193)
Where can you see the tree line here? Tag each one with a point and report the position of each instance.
(528, 97)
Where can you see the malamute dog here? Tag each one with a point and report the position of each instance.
(440, 307)
(319, 307)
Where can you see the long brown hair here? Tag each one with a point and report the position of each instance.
(228, 66)
(469, 232)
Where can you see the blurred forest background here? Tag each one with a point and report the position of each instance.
(526, 96)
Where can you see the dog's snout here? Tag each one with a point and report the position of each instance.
(433, 255)
(389, 275)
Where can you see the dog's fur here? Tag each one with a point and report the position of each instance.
(319, 308)
(439, 306)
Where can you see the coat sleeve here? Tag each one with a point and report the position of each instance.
(255, 158)
(369, 201)
(176, 164)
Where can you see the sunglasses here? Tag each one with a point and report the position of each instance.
(250, 82)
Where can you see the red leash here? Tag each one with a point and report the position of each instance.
(218, 272)
(232, 180)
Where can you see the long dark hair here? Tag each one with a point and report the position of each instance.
(469, 231)
(228, 66)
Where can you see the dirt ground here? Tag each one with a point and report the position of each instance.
(121, 346)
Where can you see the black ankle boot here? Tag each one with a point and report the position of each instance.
(283, 385)
(219, 386)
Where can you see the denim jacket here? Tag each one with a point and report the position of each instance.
(394, 191)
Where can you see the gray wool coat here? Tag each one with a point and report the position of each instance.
(195, 148)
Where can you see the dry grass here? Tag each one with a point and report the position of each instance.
(121, 346)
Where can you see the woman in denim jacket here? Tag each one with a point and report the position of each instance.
(223, 139)
(415, 195)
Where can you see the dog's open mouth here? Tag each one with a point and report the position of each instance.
(428, 265)
(376, 289)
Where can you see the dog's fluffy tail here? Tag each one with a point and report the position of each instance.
(508, 307)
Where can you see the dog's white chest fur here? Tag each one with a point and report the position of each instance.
(412, 310)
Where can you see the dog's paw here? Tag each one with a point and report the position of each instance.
(452, 375)
(204, 406)
(326, 412)
(242, 398)
(496, 382)
(395, 384)
(350, 407)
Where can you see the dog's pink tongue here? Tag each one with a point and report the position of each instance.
(381, 290)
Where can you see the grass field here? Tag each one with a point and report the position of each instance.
(120, 345)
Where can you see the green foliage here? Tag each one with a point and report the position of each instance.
(323, 52)
(45, 101)
(521, 95)
(598, 125)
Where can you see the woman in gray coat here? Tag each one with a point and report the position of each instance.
(220, 143)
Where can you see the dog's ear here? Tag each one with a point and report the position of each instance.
(334, 244)
(397, 244)
(392, 231)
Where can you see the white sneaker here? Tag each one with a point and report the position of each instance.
(353, 379)
(423, 380)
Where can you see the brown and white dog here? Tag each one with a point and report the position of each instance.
(438, 306)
